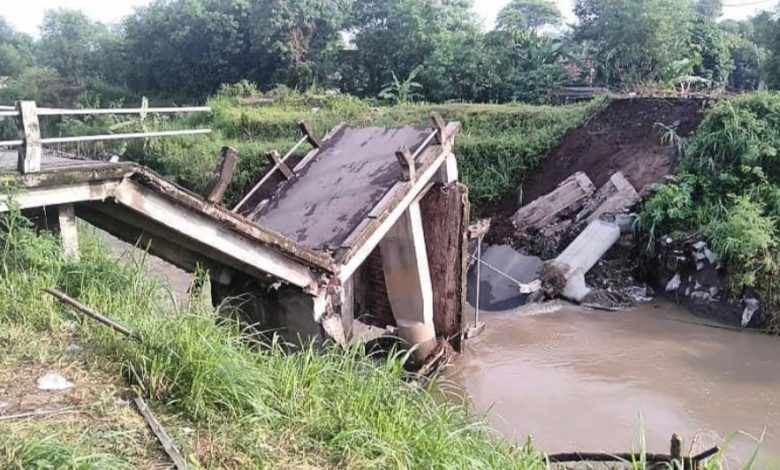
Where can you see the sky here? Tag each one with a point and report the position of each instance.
(26, 15)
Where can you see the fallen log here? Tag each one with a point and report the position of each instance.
(569, 194)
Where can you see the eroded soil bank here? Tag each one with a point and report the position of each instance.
(578, 380)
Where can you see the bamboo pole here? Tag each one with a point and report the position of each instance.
(66, 299)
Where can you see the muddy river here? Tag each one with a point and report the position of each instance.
(581, 380)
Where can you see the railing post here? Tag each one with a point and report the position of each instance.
(30, 151)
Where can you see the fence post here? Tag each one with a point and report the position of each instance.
(30, 151)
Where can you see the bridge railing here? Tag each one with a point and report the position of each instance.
(30, 143)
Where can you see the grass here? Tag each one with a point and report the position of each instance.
(250, 405)
(728, 190)
(498, 147)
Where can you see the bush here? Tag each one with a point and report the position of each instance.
(728, 189)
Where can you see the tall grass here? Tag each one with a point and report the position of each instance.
(44, 452)
(359, 412)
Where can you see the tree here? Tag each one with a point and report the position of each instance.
(635, 41)
(712, 9)
(300, 38)
(397, 36)
(71, 43)
(16, 50)
(528, 15)
(712, 47)
(190, 47)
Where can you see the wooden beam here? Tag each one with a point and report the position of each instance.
(406, 160)
(68, 230)
(222, 176)
(30, 152)
(167, 443)
(197, 226)
(276, 160)
(439, 125)
(310, 135)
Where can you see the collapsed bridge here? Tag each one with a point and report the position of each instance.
(370, 225)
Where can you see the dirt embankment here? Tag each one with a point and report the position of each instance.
(625, 136)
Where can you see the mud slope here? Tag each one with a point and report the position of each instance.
(622, 137)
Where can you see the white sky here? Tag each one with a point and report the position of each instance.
(26, 15)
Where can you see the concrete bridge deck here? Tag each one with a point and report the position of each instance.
(344, 200)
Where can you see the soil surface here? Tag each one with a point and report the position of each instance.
(624, 137)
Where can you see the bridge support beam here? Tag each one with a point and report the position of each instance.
(408, 281)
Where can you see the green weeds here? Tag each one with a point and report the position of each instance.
(728, 190)
(350, 409)
(498, 148)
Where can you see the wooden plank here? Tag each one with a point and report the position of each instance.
(545, 209)
(68, 230)
(197, 226)
(222, 175)
(162, 436)
(442, 211)
(310, 135)
(406, 160)
(278, 163)
(31, 151)
(440, 126)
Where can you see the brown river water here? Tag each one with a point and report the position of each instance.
(582, 380)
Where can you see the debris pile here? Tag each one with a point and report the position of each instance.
(572, 227)
(694, 273)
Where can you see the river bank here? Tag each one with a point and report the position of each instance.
(579, 380)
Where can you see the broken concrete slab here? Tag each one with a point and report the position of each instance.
(582, 254)
(568, 195)
(506, 275)
(617, 194)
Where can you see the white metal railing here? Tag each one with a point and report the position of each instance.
(30, 145)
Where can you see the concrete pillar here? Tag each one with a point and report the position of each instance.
(408, 281)
(69, 231)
